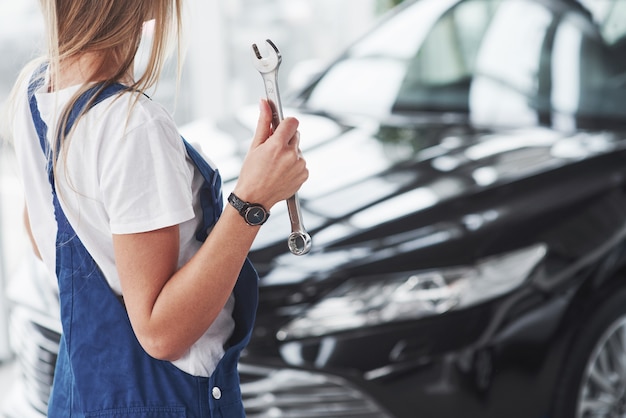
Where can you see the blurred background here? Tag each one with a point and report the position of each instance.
(218, 77)
(467, 208)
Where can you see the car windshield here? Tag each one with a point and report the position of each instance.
(512, 62)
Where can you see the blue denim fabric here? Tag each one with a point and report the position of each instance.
(102, 371)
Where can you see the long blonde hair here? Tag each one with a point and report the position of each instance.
(112, 29)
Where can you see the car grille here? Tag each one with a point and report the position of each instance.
(36, 347)
(286, 393)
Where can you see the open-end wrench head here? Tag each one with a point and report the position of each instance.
(268, 63)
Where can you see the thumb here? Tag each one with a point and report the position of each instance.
(264, 124)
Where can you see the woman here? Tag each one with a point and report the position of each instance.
(157, 296)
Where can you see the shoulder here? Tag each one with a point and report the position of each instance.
(129, 120)
(133, 110)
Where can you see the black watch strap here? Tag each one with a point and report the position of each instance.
(253, 213)
(236, 202)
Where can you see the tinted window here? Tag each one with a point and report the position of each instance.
(609, 16)
(555, 66)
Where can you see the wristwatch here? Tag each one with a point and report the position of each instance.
(253, 213)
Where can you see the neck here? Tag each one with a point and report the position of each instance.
(84, 68)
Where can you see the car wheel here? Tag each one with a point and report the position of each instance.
(593, 383)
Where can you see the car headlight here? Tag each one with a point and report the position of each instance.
(367, 302)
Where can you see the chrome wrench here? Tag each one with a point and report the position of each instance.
(299, 240)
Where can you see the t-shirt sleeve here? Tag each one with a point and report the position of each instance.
(145, 179)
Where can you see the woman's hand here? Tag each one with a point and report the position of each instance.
(274, 168)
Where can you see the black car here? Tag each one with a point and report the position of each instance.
(467, 203)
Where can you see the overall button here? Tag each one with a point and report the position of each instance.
(217, 393)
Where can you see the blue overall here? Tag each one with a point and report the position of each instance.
(102, 371)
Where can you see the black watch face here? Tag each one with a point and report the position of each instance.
(255, 215)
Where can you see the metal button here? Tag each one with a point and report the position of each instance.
(216, 392)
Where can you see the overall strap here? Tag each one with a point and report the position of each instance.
(210, 194)
(36, 82)
(98, 91)
(65, 230)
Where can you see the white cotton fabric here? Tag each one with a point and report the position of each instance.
(125, 171)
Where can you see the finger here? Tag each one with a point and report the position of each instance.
(264, 124)
(286, 130)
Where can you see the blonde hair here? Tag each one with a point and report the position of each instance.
(112, 31)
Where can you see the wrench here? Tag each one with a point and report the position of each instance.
(299, 240)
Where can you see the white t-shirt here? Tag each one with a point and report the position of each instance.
(123, 173)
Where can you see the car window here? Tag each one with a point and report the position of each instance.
(608, 15)
(588, 78)
(367, 80)
(510, 83)
(557, 66)
(438, 76)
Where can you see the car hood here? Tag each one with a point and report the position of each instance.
(403, 188)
